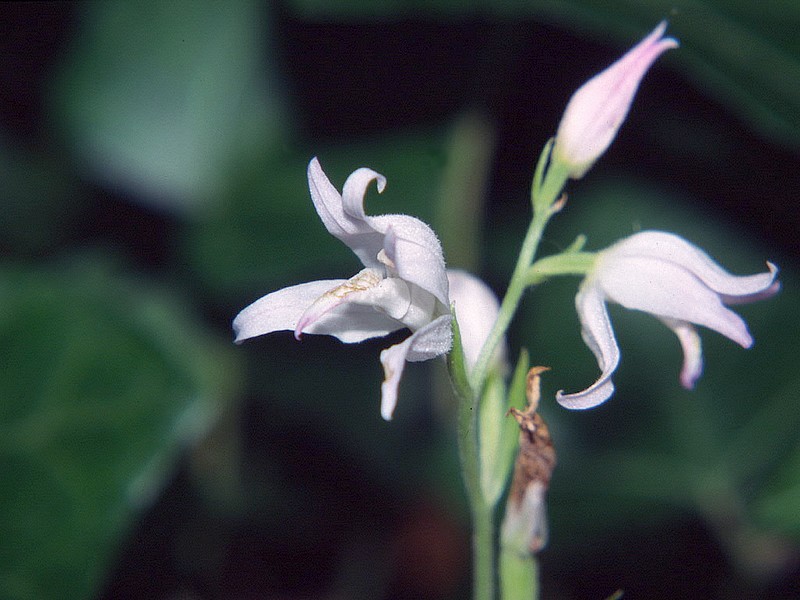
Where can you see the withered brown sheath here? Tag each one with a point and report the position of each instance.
(534, 466)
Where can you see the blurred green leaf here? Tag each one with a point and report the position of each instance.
(777, 508)
(745, 54)
(103, 382)
(39, 199)
(157, 97)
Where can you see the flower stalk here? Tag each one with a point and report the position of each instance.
(404, 285)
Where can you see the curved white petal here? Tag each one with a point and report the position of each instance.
(347, 224)
(692, 351)
(279, 310)
(282, 310)
(432, 340)
(599, 336)
(476, 309)
(410, 244)
(667, 290)
(669, 247)
(415, 253)
(355, 188)
(352, 323)
(768, 292)
(393, 360)
(328, 203)
(422, 308)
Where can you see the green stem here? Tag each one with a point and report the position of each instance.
(516, 288)
(483, 546)
(482, 515)
(568, 263)
(519, 575)
(468, 448)
(548, 181)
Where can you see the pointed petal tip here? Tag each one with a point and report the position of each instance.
(773, 268)
(314, 169)
(658, 32)
(688, 382)
(388, 395)
(239, 333)
(656, 44)
(593, 396)
(670, 44)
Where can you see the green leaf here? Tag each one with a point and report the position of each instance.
(777, 507)
(457, 366)
(157, 97)
(495, 442)
(498, 432)
(103, 382)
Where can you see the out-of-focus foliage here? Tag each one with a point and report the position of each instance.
(41, 200)
(745, 53)
(160, 97)
(103, 382)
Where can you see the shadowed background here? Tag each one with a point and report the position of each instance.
(153, 163)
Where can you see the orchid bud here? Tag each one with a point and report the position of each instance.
(598, 108)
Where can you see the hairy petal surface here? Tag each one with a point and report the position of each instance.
(403, 285)
(351, 227)
(367, 288)
(414, 253)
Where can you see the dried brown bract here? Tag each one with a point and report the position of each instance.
(525, 513)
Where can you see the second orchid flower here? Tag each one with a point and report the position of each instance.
(666, 276)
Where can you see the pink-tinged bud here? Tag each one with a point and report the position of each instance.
(598, 108)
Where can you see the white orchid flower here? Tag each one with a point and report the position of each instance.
(403, 285)
(596, 110)
(666, 276)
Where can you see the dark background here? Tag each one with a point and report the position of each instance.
(288, 484)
